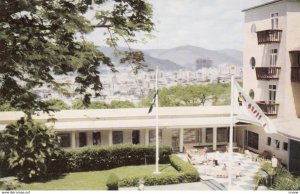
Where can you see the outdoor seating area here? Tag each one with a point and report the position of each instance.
(215, 166)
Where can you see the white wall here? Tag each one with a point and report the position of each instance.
(262, 146)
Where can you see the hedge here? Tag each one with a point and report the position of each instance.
(186, 174)
(103, 158)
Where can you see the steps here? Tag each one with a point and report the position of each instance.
(214, 185)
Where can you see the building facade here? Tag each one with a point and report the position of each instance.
(272, 77)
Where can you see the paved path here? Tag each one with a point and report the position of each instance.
(184, 186)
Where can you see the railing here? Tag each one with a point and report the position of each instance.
(268, 36)
(295, 74)
(267, 73)
(270, 109)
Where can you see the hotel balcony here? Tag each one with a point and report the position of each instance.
(295, 74)
(268, 36)
(269, 108)
(267, 73)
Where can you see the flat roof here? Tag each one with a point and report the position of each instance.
(170, 123)
(121, 114)
(261, 5)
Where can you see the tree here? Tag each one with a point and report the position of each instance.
(121, 104)
(191, 95)
(29, 148)
(42, 38)
(57, 104)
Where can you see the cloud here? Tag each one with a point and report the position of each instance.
(212, 24)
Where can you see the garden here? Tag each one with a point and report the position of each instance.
(31, 159)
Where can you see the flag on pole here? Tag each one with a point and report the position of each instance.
(153, 101)
(247, 110)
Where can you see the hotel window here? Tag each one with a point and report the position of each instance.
(269, 141)
(209, 135)
(274, 20)
(252, 140)
(222, 135)
(135, 137)
(117, 137)
(82, 139)
(64, 140)
(272, 93)
(277, 144)
(285, 146)
(273, 57)
(96, 138)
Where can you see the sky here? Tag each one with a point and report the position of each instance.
(211, 24)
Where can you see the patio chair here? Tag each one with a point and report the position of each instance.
(248, 154)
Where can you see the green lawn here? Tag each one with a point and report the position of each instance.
(93, 180)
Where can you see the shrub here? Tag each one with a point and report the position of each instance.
(112, 182)
(9, 183)
(29, 147)
(187, 173)
(103, 158)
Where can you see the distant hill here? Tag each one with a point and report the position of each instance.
(183, 57)
(186, 56)
(152, 62)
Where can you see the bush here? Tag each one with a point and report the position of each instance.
(29, 147)
(103, 158)
(9, 183)
(187, 173)
(112, 182)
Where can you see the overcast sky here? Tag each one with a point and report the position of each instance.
(211, 24)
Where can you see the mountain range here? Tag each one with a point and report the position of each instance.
(182, 57)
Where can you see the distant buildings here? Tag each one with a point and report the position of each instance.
(203, 63)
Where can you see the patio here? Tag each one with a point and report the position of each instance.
(208, 171)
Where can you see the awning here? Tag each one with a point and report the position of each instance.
(288, 127)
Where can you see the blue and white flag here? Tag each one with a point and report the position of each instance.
(248, 111)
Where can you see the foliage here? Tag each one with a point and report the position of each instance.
(112, 182)
(78, 104)
(121, 104)
(9, 183)
(7, 107)
(102, 158)
(187, 173)
(191, 95)
(281, 178)
(57, 104)
(29, 148)
(41, 38)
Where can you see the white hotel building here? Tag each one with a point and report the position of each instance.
(271, 76)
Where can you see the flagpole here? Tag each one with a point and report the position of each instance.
(231, 135)
(156, 121)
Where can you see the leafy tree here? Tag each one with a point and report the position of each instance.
(7, 107)
(42, 38)
(29, 148)
(98, 105)
(191, 95)
(121, 104)
(57, 104)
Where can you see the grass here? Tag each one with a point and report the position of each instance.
(93, 180)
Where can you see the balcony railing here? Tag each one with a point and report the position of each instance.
(267, 73)
(295, 74)
(268, 36)
(270, 109)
